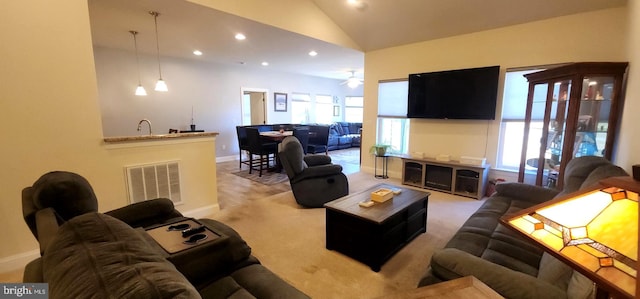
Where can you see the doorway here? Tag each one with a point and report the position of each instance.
(254, 106)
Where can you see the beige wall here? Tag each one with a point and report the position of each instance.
(307, 20)
(628, 151)
(566, 39)
(51, 120)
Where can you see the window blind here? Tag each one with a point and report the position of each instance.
(392, 98)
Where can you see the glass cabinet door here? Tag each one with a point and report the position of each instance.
(547, 132)
(593, 117)
(556, 131)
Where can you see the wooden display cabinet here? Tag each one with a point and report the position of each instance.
(575, 109)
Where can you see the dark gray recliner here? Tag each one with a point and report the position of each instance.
(314, 179)
(108, 258)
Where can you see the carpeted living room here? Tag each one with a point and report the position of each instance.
(563, 147)
(290, 239)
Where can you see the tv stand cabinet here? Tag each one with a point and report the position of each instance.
(445, 176)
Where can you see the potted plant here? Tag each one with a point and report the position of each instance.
(379, 149)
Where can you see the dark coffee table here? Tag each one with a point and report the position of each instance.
(373, 235)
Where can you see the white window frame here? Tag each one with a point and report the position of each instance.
(393, 125)
(324, 109)
(354, 105)
(303, 100)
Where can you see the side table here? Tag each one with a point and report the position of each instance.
(385, 162)
(465, 287)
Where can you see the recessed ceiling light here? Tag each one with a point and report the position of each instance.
(313, 53)
(240, 36)
(197, 52)
(264, 63)
(353, 2)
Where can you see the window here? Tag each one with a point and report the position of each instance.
(393, 125)
(300, 108)
(324, 109)
(353, 109)
(512, 124)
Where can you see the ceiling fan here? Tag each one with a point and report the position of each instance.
(352, 82)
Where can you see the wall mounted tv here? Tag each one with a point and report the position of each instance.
(456, 94)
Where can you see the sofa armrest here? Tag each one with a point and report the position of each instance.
(318, 171)
(451, 263)
(146, 213)
(33, 271)
(315, 160)
(47, 226)
(530, 193)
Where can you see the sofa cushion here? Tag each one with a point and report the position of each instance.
(554, 271)
(69, 194)
(451, 263)
(95, 255)
(564, 277)
(577, 171)
(482, 235)
(602, 172)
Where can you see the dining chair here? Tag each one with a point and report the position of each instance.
(302, 133)
(319, 139)
(243, 145)
(257, 146)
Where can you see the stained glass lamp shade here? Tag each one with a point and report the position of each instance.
(593, 231)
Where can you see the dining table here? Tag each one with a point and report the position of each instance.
(276, 136)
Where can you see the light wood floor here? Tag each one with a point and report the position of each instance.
(234, 190)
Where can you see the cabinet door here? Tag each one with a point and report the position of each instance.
(593, 117)
(545, 131)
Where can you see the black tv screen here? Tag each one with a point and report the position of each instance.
(455, 94)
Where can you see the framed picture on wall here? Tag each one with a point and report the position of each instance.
(336, 110)
(279, 101)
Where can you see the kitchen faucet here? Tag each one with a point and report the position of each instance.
(140, 125)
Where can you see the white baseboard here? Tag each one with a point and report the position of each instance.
(226, 158)
(18, 261)
(202, 212)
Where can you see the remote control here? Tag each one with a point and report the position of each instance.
(366, 204)
(192, 231)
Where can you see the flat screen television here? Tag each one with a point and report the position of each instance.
(456, 94)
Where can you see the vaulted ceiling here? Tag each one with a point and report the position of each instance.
(371, 24)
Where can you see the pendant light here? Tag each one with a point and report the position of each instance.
(160, 85)
(140, 91)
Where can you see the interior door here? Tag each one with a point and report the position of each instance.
(254, 107)
(258, 109)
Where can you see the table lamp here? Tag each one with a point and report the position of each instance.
(595, 231)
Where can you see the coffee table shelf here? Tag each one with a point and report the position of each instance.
(373, 235)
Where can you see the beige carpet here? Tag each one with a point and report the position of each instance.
(290, 241)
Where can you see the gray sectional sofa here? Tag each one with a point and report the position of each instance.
(505, 261)
(86, 254)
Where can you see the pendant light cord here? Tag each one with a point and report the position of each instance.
(135, 45)
(155, 20)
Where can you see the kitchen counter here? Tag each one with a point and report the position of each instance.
(159, 137)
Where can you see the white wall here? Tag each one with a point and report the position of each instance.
(213, 90)
(558, 40)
